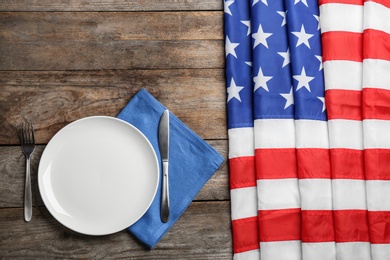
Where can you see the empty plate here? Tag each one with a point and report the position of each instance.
(98, 175)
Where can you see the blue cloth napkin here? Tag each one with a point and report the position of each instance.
(192, 162)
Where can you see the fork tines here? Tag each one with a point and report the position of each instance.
(27, 133)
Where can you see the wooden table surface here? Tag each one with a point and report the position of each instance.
(64, 60)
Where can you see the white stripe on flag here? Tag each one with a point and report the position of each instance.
(319, 251)
(341, 17)
(274, 133)
(283, 250)
(248, 255)
(380, 251)
(342, 74)
(244, 202)
(345, 134)
(376, 17)
(375, 133)
(278, 194)
(316, 194)
(353, 251)
(378, 195)
(241, 142)
(349, 194)
(374, 71)
(313, 133)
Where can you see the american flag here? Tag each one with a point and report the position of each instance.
(308, 102)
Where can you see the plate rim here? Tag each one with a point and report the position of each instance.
(39, 174)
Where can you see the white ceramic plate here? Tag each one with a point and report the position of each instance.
(98, 175)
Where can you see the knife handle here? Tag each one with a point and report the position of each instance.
(165, 194)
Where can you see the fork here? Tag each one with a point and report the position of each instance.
(28, 146)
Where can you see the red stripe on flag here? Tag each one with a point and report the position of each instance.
(379, 227)
(379, 166)
(349, 2)
(245, 234)
(276, 163)
(376, 103)
(280, 225)
(351, 226)
(313, 163)
(342, 46)
(347, 164)
(343, 104)
(242, 172)
(317, 226)
(376, 45)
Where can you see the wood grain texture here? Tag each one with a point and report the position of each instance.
(110, 26)
(53, 99)
(101, 40)
(202, 232)
(109, 5)
(12, 177)
(111, 55)
(62, 60)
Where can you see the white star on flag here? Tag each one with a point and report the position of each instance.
(318, 20)
(234, 91)
(320, 59)
(248, 24)
(323, 103)
(230, 46)
(226, 6)
(282, 14)
(286, 57)
(289, 98)
(303, 37)
(261, 80)
(303, 80)
(260, 37)
(256, 1)
(303, 1)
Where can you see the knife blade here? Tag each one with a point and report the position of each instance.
(163, 141)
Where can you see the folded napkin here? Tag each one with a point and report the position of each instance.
(192, 162)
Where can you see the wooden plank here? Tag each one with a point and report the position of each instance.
(53, 99)
(98, 55)
(101, 40)
(12, 174)
(107, 5)
(203, 232)
(110, 26)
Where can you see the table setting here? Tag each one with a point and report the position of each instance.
(75, 76)
(100, 175)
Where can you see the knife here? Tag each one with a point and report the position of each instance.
(163, 141)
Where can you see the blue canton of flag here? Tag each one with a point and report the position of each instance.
(238, 64)
(305, 50)
(278, 85)
(271, 61)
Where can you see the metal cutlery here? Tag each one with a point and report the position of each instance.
(163, 140)
(28, 145)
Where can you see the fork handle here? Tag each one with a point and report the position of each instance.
(27, 193)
